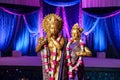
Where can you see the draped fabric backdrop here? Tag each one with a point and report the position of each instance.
(20, 31)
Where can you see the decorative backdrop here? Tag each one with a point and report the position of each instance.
(20, 31)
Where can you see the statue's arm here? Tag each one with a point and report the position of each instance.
(87, 51)
(59, 45)
(41, 42)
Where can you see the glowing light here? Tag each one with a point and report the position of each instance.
(58, 10)
(40, 30)
(62, 3)
(65, 22)
(80, 15)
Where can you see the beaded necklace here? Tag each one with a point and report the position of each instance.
(68, 57)
(50, 70)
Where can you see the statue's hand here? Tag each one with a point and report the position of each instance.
(80, 53)
(41, 42)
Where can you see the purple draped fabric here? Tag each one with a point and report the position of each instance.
(78, 75)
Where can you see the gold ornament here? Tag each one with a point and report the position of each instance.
(51, 19)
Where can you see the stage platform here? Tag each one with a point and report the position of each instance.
(36, 61)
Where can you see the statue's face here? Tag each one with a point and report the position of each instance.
(75, 34)
(53, 29)
(53, 26)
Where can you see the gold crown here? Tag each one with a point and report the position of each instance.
(76, 26)
(51, 19)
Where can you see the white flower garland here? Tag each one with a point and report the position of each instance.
(69, 63)
(50, 70)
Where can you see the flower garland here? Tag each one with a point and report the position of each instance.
(50, 70)
(69, 63)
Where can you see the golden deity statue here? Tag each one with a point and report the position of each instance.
(76, 36)
(52, 46)
(75, 50)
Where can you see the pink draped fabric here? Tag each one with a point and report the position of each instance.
(23, 2)
(100, 3)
